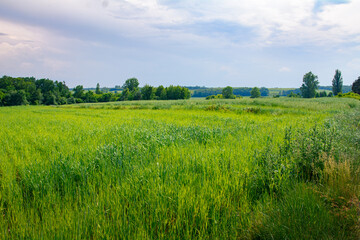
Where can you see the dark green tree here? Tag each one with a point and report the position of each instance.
(124, 95)
(136, 94)
(337, 83)
(160, 93)
(132, 84)
(147, 92)
(79, 92)
(228, 92)
(309, 86)
(90, 97)
(106, 97)
(356, 86)
(98, 91)
(323, 94)
(255, 93)
(15, 97)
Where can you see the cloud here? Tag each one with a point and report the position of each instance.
(284, 69)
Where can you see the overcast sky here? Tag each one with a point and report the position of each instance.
(270, 43)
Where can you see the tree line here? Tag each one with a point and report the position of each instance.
(310, 86)
(242, 91)
(28, 90)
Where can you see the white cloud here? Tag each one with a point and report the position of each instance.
(284, 69)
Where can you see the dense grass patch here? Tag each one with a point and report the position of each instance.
(226, 169)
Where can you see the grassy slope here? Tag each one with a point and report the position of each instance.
(173, 169)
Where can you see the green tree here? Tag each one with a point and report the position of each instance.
(323, 94)
(136, 94)
(356, 86)
(228, 92)
(98, 91)
(255, 93)
(106, 97)
(160, 93)
(124, 95)
(309, 86)
(14, 98)
(132, 84)
(147, 92)
(337, 83)
(79, 92)
(90, 97)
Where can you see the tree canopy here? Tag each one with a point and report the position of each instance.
(356, 86)
(228, 92)
(255, 93)
(337, 83)
(22, 91)
(309, 86)
(131, 84)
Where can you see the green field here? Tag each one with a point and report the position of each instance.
(192, 169)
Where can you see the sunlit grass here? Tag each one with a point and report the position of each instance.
(190, 169)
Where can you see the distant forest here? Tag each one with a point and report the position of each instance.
(28, 90)
(242, 91)
(198, 91)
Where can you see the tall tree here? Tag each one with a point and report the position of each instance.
(79, 92)
(337, 83)
(98, 91)
(255, 93)
(356, 86)
(309, 86)
(131, 84)
(228, 92)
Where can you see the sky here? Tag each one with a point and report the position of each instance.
(213, 43)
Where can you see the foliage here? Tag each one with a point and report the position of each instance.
(98, 91)
(228, 92)
(337, 83)
(356, 86)
(20, 91)
(309, 86)
(350, 95)
(255, 93)
(293, 95)
(244, 91)
(147, 92)
(131, 83)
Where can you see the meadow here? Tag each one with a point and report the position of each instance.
(284, 168)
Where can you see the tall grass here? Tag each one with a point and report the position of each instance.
(195, 169)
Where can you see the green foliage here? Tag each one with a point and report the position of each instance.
(132, 84)
(228, 93)
(309, 86)
(356, 86)
(98, 91)
(255, 93)
(350, 95)
(124, 95)
(337, 83)
(243, 91)
(219, 96)
(147, 92)
(160, 93)
(79, 92)
(293, 95)
(19, 91)
(14, 97)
